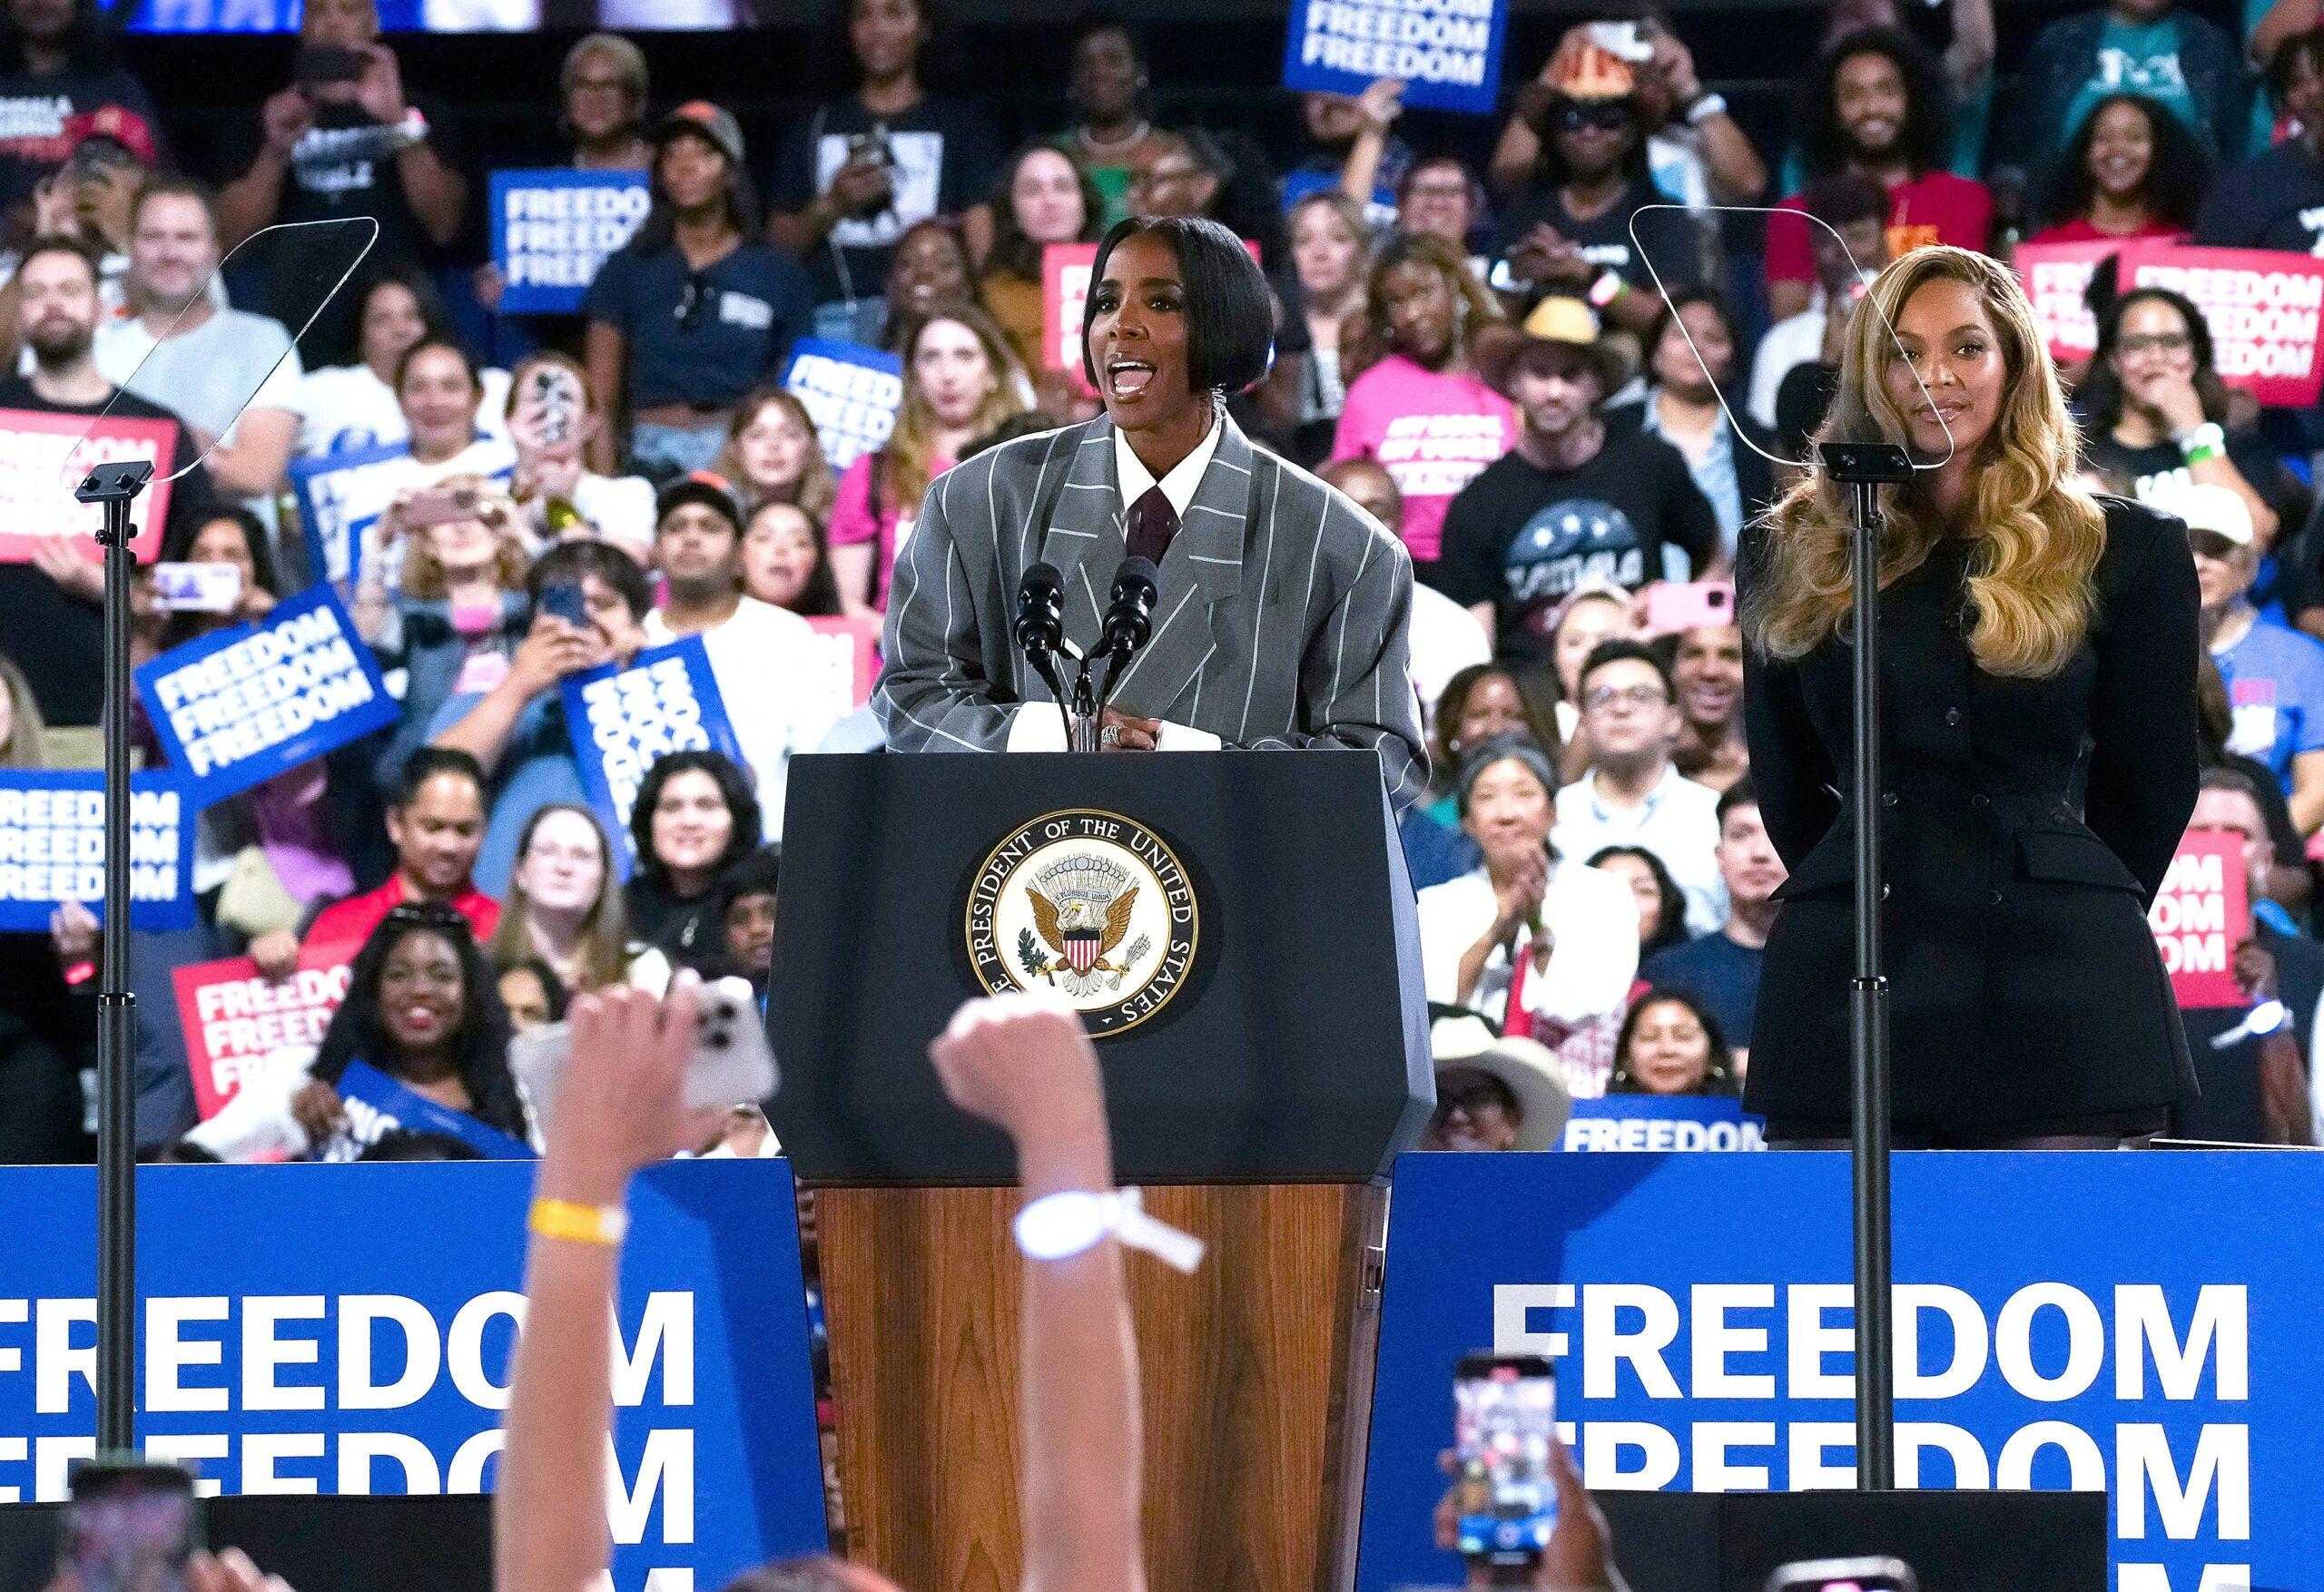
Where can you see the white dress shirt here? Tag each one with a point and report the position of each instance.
(1043, 729)
(1591, 917)
(1678, 822)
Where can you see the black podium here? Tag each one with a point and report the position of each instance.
(1238, 929)
(1296, 1051)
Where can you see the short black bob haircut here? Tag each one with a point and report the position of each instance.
(1230, 314)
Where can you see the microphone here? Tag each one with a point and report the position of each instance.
(1129, 616)
(1041, 622)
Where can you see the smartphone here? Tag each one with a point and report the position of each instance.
(555, 404)
(564, 598)
(1674, 606)
(197, 588)
(322, 63)
(131, 1525)
(1845, 1575)
(732, 1064)
(436, 506)
(1625, 41)
(1504, 1423)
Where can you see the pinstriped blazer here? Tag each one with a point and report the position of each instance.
(1281, 620)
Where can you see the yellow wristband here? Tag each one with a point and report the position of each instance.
(605, 1224)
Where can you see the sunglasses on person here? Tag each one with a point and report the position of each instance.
(1471, 1090)
(1606, 115)
(427, 915)
(2210, 544)
(2160, 342)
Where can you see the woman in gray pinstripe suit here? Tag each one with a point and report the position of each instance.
(1282, 606)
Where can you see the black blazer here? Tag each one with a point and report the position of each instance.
(2027, 824)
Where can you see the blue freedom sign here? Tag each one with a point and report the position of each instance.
(341, 497)
(2142, 1324)
(244, 704)
(850, 392)
(348, 1330)
(551, 229)
(52, 848)
(624, 720)
(1447, 53)
(1659, 1122)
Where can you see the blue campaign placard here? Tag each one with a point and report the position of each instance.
(246, 704)
(1659, 1122)
(52, 839)
(552, 228)
(622, 719)
(348, 1329)
(377, 1102)
(1446, 52)
(850, 391)
(341, 494)
(2142, 1323)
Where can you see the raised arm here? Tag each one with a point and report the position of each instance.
(1025, 1064)
(618, 1111)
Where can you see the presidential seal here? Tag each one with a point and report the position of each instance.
(1088, 903)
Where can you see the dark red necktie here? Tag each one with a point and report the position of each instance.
(1152, 523)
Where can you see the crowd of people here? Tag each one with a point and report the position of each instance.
(1566, 378)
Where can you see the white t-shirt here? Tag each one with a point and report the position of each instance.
(232, 361)
(768, 669)
(621, 507)
(342, 408)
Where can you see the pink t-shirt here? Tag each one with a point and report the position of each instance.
(856, 519)
(1433, 432)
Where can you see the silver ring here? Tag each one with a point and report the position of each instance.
(1111, 735)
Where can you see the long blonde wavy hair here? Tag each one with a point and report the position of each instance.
(2038, 533)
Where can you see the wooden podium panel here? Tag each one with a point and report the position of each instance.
(1248, 1454)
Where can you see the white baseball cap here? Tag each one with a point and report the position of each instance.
(2206, 508)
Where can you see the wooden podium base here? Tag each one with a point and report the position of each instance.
(1257, 1374)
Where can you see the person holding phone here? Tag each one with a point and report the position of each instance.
(551, 419)
(590, 602)
(865, 168)
(60, 70)
(344, 139)
(2039, 737)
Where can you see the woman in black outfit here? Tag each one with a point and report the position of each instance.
(694, 817)
(2038, 749)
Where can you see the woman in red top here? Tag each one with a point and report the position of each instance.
(2132, 170)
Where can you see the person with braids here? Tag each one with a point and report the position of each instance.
(2038, 741)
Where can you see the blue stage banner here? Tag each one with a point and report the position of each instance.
(1658, 1121)
(1447, 52)
(552, 228)
(246, 704)
(624, 721)
(341, 494)
(850, 392)
(2144, 1323)
(348, 1329)
(52, 848)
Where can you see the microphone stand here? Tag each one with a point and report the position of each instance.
(1865, 468)
(115, 485)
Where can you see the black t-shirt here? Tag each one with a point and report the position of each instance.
(344, 165)
(2150, 473)
(945, 158)
(43, 117)
(2275, 201)
(1673, 238)
(1522, 537)
(56, 640)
